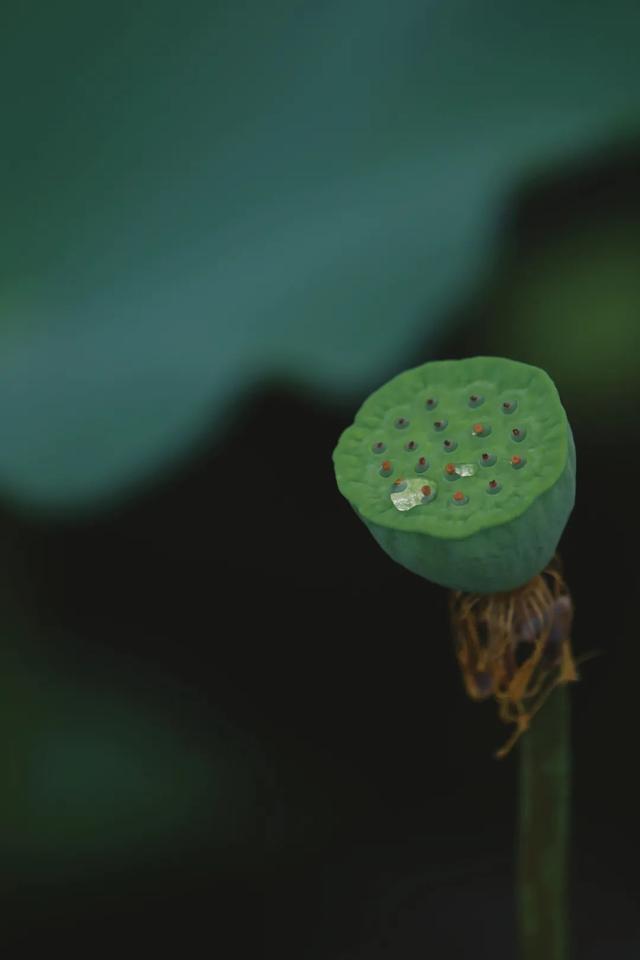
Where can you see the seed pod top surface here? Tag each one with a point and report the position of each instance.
(455, 449)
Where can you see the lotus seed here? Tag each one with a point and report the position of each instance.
(441, 543)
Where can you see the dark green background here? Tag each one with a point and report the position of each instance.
(227, 719)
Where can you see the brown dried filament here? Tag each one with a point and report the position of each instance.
(515, 647)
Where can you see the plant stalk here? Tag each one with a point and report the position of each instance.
(543, 832)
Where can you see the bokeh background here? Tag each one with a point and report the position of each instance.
(227, 720)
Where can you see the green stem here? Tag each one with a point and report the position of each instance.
(543, 841)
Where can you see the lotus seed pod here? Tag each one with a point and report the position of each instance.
(500, 491)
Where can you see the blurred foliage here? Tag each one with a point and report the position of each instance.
(574, 309)
(197, 196)
(99, 771)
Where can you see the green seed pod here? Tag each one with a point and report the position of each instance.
(480, 536)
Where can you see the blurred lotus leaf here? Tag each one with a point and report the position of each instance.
(201, 195)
